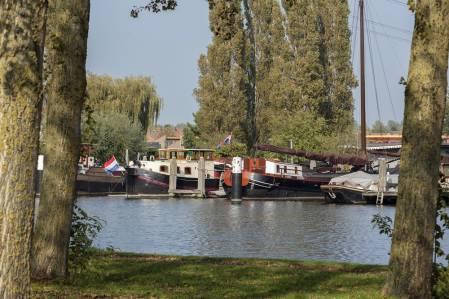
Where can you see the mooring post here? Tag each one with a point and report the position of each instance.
(236, 194)
(202, 177)
(382, 185)
(172, 179)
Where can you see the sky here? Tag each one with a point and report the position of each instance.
(167, 46)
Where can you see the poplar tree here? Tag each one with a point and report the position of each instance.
(410, 268)
(338, 106)
(308, 71)
(66, 48)
(221, 85)
(21, 24)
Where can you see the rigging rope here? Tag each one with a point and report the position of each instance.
(379, 53)
(373, 72)
(392, 46)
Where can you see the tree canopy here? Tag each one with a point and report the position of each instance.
(133, 96)
(301, 66)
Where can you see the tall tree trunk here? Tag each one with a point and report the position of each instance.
(66, 45)
(20, 83)
(411, 252)
(251, 84)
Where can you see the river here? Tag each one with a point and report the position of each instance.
(215, 227)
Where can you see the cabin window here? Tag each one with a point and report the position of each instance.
(180, 155)
(178, 170)
(278, 169)
(163, 168)
(188, 170)
(285, 169)
(296, 170)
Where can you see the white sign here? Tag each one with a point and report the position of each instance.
(40, 162)
(237, 165)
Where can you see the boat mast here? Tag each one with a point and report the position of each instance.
(362, 78)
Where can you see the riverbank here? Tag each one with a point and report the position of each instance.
(125, 275)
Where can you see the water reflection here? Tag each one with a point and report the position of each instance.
(215, 227)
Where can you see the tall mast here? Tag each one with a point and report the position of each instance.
(362, 77)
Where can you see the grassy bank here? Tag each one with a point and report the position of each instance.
(121, 275)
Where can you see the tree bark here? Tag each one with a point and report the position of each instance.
(425, 96)
(20, 87)
(66, 46)
(251, 83)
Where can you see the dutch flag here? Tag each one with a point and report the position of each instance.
(111, 165)
(228, 139)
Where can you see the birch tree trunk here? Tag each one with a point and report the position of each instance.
(425, 96)
(20, 86)
(66, 46)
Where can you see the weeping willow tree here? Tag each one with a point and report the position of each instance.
(133, 96)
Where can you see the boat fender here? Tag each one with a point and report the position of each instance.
(332, 194)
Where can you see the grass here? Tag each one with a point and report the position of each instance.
(124, 275)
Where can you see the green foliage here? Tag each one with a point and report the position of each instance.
(394, 126)
(441, 283)
(113, 134)
(133, 96)
(391, 127)
(383, 223)
(302, 66)
(235, 149)
(378, 127)
(191, 137)
(84, 230)
(154, 6)
(220, 92)
(308, 132)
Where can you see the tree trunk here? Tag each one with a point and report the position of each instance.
(413, 238)
(20, 83)
(251, 84)
(66, 45)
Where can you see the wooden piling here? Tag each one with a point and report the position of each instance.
(172, 179)
(202, 177)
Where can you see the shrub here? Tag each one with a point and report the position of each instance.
(84, 230)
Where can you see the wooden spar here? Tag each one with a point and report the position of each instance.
(384, 153)
(326, 157)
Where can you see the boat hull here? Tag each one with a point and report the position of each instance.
(266, 186)
(346, 195)
(96, 181)
(141, 181)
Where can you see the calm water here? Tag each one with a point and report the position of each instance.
(215, 227)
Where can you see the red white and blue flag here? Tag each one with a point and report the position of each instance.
(111, 165)
(228, 139)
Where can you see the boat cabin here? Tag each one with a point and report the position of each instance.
(186, 154)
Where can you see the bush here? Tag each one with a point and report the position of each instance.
(84, 230)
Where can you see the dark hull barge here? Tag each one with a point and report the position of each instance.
(142, 181)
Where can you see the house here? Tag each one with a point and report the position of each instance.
(163, 137)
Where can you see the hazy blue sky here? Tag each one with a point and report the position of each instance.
(167, 47)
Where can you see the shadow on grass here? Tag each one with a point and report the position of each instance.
(140, 276)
